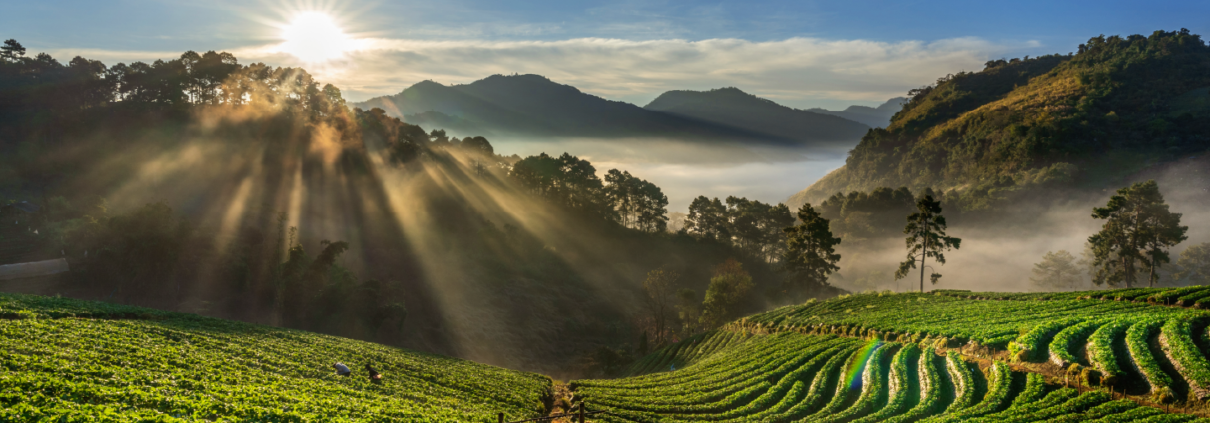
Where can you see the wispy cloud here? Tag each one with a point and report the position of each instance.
(796, 71)
(800, 72)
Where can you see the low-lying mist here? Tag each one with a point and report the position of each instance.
(999, 249)
(687, 169)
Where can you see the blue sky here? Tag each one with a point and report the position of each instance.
(800, 53)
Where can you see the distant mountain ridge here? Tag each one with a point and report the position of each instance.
(534, 106)
(875, 117)
(737, 108)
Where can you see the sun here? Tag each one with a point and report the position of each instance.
(314, 37)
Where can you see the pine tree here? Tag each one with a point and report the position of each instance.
(1137, 232)
(810, 254)
(926, 238)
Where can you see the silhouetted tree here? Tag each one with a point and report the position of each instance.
(926, 238)
(659, 287)
(810, 250)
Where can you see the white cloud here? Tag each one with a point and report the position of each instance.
(799, 72)
(796, 71)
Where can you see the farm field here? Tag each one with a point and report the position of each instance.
(69, 360)
(1125, 355)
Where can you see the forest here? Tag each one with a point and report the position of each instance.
(253, 192)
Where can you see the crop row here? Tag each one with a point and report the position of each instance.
(56, 366)
(1120, 337)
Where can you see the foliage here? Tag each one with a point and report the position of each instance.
(989, 133)
(926, 238)
(729, 286)
(640, 204)
(861, 215)
(1138, 228)
(1194, 265)
(810, 250)
(1056, 270)
(753, 227)
(132, 364)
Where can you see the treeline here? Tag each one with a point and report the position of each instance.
(199, 157)
(42, 83)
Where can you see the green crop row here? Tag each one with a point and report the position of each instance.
(1145, 362)
(999, 393)
(1177, 339)
(903, 389)
(1103, 354)
(873, 387)
(69, 364)
(1069, 339)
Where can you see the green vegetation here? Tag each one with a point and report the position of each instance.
(1138, 228)
(1056, 121)
(936, 357)
(70, 360)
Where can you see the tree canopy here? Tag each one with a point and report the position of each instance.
(810, 250)
(1137, 232)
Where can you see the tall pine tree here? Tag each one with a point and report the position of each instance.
(926, 238)
(810, 254)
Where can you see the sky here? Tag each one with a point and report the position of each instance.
(803, 54)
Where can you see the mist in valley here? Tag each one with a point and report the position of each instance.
(999, 249)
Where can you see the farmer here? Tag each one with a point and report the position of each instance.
(342, 370)
(374, 375)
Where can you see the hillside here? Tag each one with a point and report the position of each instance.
(533, 106)
(874, 117)
(77, 360)
(730, 106)
(943, 356)
(1085, 120)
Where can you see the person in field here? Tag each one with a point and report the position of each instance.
(374, 375)
(342, 370)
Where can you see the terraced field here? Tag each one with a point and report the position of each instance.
(1138, 355)
(67, 360)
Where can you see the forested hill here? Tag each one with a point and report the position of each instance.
(730, 106)
(1084, 120)
(534, 106)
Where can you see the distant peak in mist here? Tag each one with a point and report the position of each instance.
(876, 117)
(537, 107)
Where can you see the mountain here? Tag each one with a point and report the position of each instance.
(1085, 121)
(534, 106)
(730, 106)
(875, 117)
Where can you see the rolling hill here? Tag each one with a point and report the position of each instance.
(1084, 120)
(937, 357)
(71, 360)
(534, 106)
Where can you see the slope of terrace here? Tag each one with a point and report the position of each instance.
(943, 356)
(70, 360)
